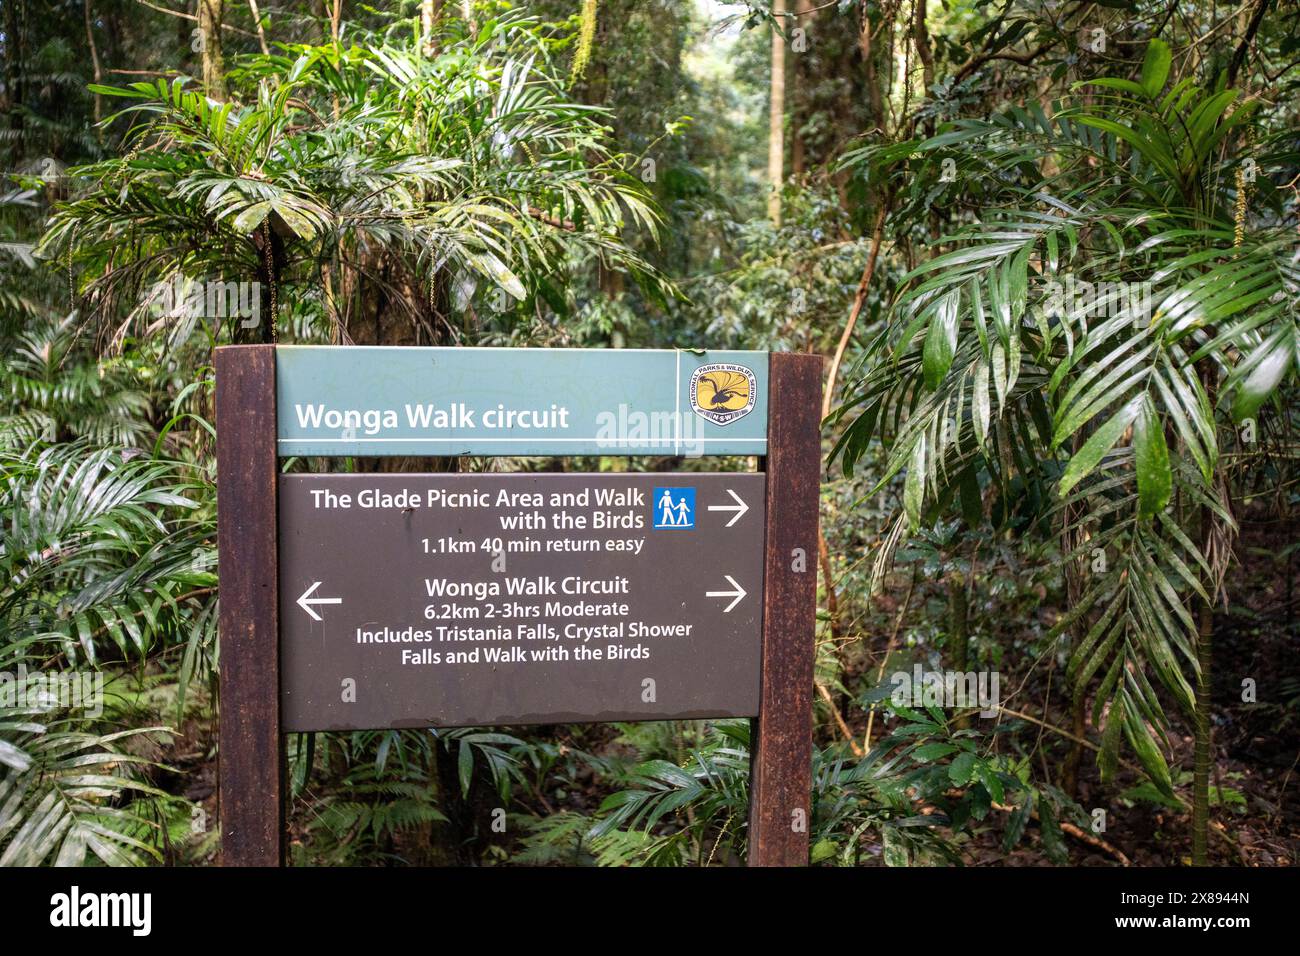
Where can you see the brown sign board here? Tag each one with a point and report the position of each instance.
(445, 600)
(320, 600)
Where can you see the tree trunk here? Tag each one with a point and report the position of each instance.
(1074, 756)
(270, 262)
(14, 70)
(1201, 729)
(97, 70)
(214, 68)
(429, 10)
(257, 25)
(958, 637)
(776, 116)
(875, 95)
(1070, 539)
(320, 15)
(921, 35)
(798, 103)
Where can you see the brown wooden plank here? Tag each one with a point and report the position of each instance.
(781, 770)
(252, 752)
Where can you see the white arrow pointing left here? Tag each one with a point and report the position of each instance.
(737, 594)
(306, 601)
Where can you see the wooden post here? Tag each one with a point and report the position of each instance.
(780, 779)
(252, 752)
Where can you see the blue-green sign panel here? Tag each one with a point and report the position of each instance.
(374, 400)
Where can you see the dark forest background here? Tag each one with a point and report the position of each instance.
(1094, 498)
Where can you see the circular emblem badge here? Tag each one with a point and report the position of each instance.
(723, 393)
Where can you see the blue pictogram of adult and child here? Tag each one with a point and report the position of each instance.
(674, 508)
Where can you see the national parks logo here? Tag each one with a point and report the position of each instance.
(723, 393)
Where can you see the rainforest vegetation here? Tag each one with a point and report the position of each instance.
(1049, 249)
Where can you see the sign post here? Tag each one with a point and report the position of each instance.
(251, 766)
(375, 601)
(780, 779)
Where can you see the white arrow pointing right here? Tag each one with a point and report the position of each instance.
(306, 601)
(737, 594)
(739, 507)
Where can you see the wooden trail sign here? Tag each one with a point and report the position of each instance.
(372, 601)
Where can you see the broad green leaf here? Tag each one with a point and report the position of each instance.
(980, 410)
(992, 783)
(1151, 457)
(941, 340)
(1269, 363)
(300, 224)
(1155, 67)
(1150, 150)
(1179, 413)
(823, 849)
(1098, 444)
(252, 217)
(494, 269)
(1115, 83)
(1108, 757)
(1144, 744)
(934, 751)
(1000, 375)
(961, 769)
(914, 484)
